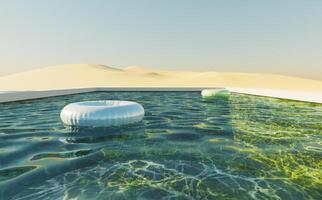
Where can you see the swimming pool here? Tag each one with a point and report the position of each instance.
(186, 147)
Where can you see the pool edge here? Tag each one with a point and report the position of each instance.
(13, 96)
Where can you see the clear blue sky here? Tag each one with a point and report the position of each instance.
(274, 36)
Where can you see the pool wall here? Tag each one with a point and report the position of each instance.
(298, 95)
(313, 96)
(36, 94)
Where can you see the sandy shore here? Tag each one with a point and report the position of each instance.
(64, 77)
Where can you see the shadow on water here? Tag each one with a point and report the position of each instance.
(171, 132)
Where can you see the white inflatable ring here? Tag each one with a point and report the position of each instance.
(101, 113)
(215, 93)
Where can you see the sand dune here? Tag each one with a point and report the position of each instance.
(89, 75)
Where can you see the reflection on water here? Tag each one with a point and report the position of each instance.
(244, 147)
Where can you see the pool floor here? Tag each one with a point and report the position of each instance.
(186, 147)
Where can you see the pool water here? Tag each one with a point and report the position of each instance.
(186, 147)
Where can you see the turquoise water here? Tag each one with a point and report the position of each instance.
(187, 147)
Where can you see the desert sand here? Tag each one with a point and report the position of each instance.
(92, 75)
(79, 78)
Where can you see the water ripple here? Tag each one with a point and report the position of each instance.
(187, 147)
